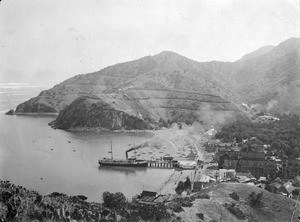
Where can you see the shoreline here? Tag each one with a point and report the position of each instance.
(21, 204)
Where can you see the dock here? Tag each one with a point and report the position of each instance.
(160, 164)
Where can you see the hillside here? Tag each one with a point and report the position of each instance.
(165, 86)
(276, 208)
(19, 204)
(273, 79)
(174, 88)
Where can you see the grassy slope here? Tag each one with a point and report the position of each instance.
(276, 207)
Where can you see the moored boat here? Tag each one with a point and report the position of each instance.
(123, 163)
(128, 162)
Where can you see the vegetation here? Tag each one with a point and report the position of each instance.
(235, 211)
(201, 196)
(20, 204)
(182, 186)
(200, 216)
(234, 196)
(256, 199)
(114, 201)
(147, 212)
(283, 135)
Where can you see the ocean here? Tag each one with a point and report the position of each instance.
(34, 155)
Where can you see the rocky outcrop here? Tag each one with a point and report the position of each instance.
(96, 114)
(10, 112)
(34, 106)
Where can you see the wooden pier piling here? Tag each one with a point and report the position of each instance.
(160, 164)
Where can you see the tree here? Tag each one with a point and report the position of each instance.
(183, 186)
(180, 187)
(187, 183)
(256, 199)
(114, 201)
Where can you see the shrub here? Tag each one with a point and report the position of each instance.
(200, 216)
(183, 186)
(113, 201)
(187, 183)
(235, 211)
(180, 187)
(176, 207)
(234, 196)
(149, 212)
(256, 199)
(201, 196)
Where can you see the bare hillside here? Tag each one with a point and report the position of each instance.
(174, 88)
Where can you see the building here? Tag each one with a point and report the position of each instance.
(226, 174)
(289, 188)
(277, 188)
(204, 182)
(187, 164)
(242, 161)
(146, 196)
(245, 177)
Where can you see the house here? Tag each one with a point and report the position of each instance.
(289, 188)
(146, 196)
(204, 182)
(245, 177)
(262, 179)
(226, 174)
(187, 164)
(277, 188)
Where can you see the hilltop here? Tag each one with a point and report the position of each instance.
(168, 87)
(275, 206)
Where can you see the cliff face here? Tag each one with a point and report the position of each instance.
(90, 113)
(174, 88)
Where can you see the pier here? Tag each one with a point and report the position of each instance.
(160, 164)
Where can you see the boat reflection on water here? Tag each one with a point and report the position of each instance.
(126, 170)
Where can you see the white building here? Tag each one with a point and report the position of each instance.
(187, 164)
(225, 174)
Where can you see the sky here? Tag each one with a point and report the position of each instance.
(52, 40)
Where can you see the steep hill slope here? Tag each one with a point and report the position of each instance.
(174, 88)
(165, 86)
(272, 79)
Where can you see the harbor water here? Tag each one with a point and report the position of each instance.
(34, 155)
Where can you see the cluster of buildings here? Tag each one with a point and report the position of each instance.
(256, 162)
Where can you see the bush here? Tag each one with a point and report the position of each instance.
(235, 211)
(176, 207)
(200, 216)
(149, 212)
(183, 186)
(256, 199)
(180, 187)
(114, 201)
(187, 183)
(201, 196)
(234, 196)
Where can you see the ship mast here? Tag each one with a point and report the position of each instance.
(111, 152)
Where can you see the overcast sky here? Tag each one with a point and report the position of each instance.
(53, 40)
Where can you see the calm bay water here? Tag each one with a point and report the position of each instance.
(38, 157)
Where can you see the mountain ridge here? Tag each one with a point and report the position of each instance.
(174, 88)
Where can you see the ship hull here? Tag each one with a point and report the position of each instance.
(119, 164)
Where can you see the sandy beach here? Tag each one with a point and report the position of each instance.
(184, 143)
